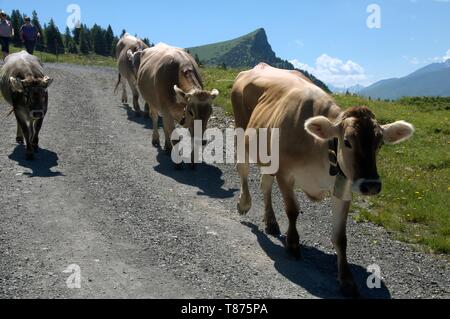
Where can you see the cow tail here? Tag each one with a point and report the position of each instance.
(9, 113)
(118, 83)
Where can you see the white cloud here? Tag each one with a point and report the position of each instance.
(299, 43)
(413, 60)
(436, 59)
(335, 71)
(446, 56)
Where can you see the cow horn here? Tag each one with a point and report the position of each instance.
(46, 82)
(17, 85)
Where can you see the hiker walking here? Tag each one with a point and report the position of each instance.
(29, 35)
(6, 33)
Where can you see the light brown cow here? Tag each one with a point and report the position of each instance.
(311, 124)
(24, 86)
(170, 82)
(127, 45)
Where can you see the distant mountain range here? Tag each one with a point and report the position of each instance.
(352, 89)
(245, 52)
(432, 80)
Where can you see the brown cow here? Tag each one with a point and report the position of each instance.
(127, 45)
(24, 86)
(170, 82)
(322, 149)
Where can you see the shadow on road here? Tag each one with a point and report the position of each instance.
(317, 272)
(40, 166)
(145, 122)
(209, 179)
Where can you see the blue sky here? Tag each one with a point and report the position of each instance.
(327, 37)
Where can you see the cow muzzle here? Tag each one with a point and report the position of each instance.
(368, 187)
(37, 114)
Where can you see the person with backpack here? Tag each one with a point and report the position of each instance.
(29, 35)
(6, 33)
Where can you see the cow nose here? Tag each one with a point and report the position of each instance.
(370, 188)
(204, 142)
(37, 114)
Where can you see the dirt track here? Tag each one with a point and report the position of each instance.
(100, 196)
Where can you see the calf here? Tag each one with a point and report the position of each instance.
(24, 86)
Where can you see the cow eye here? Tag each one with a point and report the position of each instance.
(348, 144)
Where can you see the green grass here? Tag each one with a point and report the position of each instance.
(91, 59)
(222, 80)
(414, 204)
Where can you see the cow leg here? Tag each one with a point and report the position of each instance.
(146, 111)
(292, 210)
(19, 136)
(136, 106)
(245, 199)
(35, 139)
(272, 227)
(155, 117)
(27, 134)
(124, 94)
(169, 127)
(340, 215)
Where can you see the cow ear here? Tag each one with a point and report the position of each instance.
(130, 55)
(181, 96)
(321, 128)
(214, 94)
(397, 132)
(16, 85)
(46, 82)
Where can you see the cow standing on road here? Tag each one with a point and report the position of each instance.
(129, 44)
(24, 86)
(322, 149)
(170, 82)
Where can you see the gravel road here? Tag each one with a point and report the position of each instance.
(101, 197)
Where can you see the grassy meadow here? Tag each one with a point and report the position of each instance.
(414, 204)
(90, 59)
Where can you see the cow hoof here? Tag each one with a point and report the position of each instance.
(36, 148)
(168, 150)
(178, 167)
(20, 140)
(349, 289)
(29, 156)
(294, 252)
(273, 229)
(156, 144)
(242, 210)
(193, 167)
(146, 115)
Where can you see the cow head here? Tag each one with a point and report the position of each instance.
(135, 58)
(360, 138)
(31, 94)
(198, 106)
